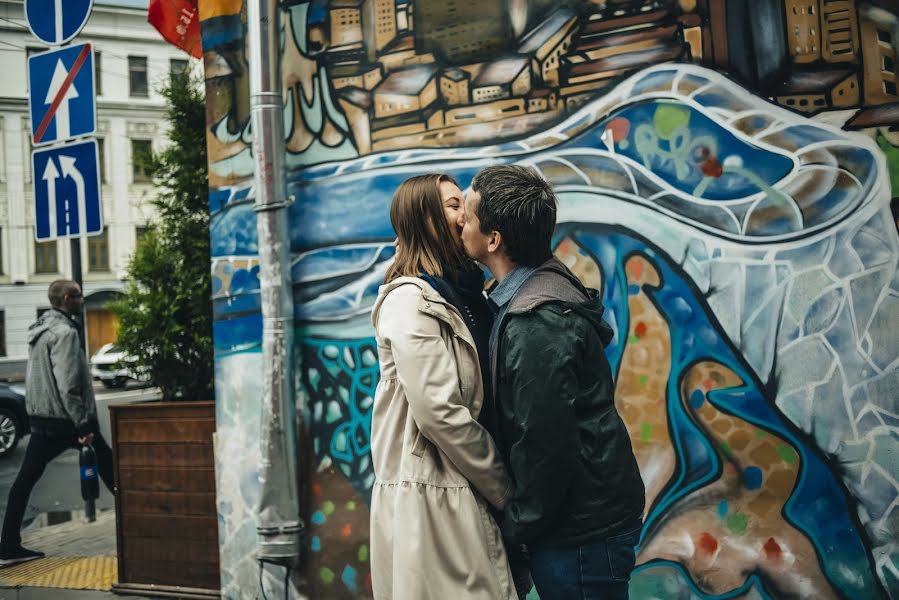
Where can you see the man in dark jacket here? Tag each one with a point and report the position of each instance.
(579, 498)
(61, 408)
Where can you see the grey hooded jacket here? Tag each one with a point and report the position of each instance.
(60, 398)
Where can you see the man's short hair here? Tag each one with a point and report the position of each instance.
(517, 202)
(59, 289)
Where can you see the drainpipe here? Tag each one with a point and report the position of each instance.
(278, 522)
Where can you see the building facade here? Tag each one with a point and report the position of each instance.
(131, 61)
(880, 37)
(462, 31)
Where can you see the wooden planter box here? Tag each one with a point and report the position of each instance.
(166, 522)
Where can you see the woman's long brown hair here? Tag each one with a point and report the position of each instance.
(424, 243)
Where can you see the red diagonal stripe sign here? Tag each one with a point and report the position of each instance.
(45, 122)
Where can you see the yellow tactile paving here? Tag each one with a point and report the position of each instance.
(72, 573)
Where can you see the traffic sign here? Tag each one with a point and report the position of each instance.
(61, 97)
(56, 22)
(66, 191)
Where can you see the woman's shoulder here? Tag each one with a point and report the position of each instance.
(399, 297)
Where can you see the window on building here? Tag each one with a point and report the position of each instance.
(2, 333)
(98, 73)
(791, 102)
(889, 87)
(885, 37)
(803, 102)
(137, 76)
(140, 232)
(888, 64)
(101, 158)
(141, 150)
(177, 66)
(45, 260)
(98, 252)
(811, 9)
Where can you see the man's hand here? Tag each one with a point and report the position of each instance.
(86, 440)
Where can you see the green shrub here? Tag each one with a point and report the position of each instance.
(165, 313)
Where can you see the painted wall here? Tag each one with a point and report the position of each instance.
(724, 173)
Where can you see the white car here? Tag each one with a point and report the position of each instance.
(109, 365)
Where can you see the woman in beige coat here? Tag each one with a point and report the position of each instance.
(437, 469)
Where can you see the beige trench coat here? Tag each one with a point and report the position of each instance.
(432, 535)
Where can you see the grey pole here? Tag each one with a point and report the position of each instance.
(90, 508)
(278, 519)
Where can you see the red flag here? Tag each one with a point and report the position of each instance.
(179, 23)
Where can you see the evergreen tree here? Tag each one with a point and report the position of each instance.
(165, 313)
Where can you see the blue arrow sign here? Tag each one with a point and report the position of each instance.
(61, 95)
(66, 191)
(55, 22)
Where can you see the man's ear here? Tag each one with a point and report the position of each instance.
(495, 243)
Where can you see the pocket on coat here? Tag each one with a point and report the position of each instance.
(418, 446)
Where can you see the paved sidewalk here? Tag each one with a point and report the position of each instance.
(80, 563)
(74, 538)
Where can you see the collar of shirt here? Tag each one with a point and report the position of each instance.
(503, 291)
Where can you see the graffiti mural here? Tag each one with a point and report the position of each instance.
(724, 171)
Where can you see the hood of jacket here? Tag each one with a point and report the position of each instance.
(49, 320)
(554, 282)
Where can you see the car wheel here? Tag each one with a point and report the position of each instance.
(9, 431)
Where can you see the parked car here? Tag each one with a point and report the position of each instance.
(111, 367)
(13, 417)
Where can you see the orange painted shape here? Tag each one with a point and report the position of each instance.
(772, 549)
(347, 530)
(317, 489)
(707, 384)
(707, 543)
(620, 128)
(635, 266)
(640, 329)
(712, 168)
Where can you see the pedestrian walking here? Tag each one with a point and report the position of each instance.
(61, 408)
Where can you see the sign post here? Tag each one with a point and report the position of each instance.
(62, 103)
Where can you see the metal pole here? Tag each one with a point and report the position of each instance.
(75, 248)
(90, 509)
(278, 519)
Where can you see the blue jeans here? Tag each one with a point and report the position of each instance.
(596, 571)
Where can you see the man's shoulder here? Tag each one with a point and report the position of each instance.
(59, 330)
(548, 320)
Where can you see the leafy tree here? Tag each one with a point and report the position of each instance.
(165, 313)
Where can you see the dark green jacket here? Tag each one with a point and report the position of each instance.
(569, 453)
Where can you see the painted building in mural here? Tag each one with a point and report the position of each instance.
(725, 170)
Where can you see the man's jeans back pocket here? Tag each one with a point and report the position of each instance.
(622, 554)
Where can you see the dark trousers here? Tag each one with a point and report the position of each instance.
(41, 450)
(595, 571)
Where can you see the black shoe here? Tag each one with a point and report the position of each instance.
(17, 555)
